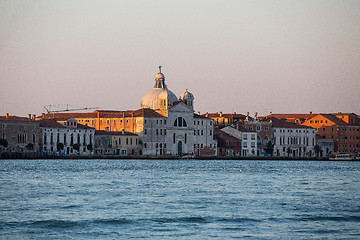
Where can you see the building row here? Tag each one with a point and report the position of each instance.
(166, 125)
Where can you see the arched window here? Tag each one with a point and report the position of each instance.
(180, 122)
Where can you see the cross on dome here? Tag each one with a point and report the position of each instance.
(160, 68)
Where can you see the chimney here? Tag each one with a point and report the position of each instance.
(220, 114)
(34, 116)
(255, 114)
(7, 115)
(270, 113)
(310, 112)
(123, 132)
(29, 116)
(207, 114)
(199, 112)
(234, 113)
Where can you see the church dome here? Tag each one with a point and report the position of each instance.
(187, 96)
(159, 91)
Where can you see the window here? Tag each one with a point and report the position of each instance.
(180, 122)
(144, 145)
(185, 138)
(210, 132)
(127, 141)
(174, 138)
(145, 131)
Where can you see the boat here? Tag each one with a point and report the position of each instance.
(344, 157)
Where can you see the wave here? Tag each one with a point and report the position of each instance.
(329, 218)
(53, 223)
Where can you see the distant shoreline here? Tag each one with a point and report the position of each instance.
(170, 158)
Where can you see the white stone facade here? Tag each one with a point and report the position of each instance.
(53, 134)
(297, 141)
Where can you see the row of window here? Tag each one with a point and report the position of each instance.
(201, 132)
(158, 131)
(295, 140)
(318, 121)
(350, 145)
(246, 145)
(64, 138)
(290, 130)
(202, 123)
(245, 135)
(258, 128)
(350, 138)
(158, 121)
(201, 146)
(127, 141)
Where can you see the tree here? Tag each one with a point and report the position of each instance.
(60, 146)
(89, 147)
(30, 146)
(76, 146)
(4, 142)
(288, 151)
(269, 148)
(317, 150)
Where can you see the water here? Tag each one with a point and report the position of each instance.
(116, 199)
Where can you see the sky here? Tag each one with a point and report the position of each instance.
(234, 56)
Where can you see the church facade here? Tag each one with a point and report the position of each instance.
(183, 132)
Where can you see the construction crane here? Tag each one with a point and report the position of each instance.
(60, 108)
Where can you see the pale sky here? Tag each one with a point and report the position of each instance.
(244, 56)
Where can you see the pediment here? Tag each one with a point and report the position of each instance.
(181, 107)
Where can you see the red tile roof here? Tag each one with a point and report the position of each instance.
(277, 123)
(54, 124)
(200, 116)
(225, 115)
(15, 118)
(334, 119)
(51, 123)
(142, 112)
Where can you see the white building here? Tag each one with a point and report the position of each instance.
(292, 140)
(177, 131)
(248, 139)
(69, 138)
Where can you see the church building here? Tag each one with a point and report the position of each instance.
(183, 131)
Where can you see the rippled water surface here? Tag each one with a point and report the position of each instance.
(117, 199)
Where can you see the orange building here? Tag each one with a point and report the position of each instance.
(130, 121)
(297, 118)
(346, 135)
(224, 119)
